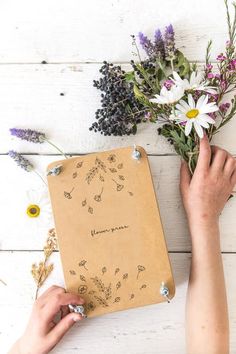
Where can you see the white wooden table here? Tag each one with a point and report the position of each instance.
(74, 37)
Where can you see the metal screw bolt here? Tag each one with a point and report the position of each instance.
(164, 291)
(136, 154)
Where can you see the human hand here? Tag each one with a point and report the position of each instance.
(206, 193)
(42, 333)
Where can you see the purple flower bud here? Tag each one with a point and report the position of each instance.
(159, 44)
(170, 42)
(146, 44)
(209, 67)
(232, 65)
(32, 136)
(21, 161)
(168, 84)
(221, 57)
(224, 107)
(210, 76)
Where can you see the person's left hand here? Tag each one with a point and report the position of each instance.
(42, 333)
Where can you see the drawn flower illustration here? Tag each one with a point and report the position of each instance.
(90, 210)
(119, 187)
(140, 269)
(143, 286)
(82, 289)
(72, 272)
(75, 174)
(107, 292)
(117, 299)
(98, 197)
(101, 301)
(113, 170)
(125, 276)
(111, 158)
(99, 284)
(120, 166)
(83, 264)
(100, 164)
(101, 178)
(117, 270)
(118, 285)
(90, 306)
(68, 194)
(104, 269)
(92, 292)
(91, 174)
(122, 178)
(79, 164)
(82, 278)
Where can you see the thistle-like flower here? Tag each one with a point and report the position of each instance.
(32, 136)
(21, 161)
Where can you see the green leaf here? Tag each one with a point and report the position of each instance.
(182, 64)
(129, 76)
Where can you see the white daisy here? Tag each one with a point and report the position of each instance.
(168, 96)
(195, 114)
(196, 82)
(37, 206)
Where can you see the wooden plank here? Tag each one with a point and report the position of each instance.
(151, 329)
(97, 30)
(18, 232)
(31, 98)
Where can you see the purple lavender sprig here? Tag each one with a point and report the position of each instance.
(21, 161)
(169, 40)
(159, 44)
(32, 136)
(24, 163)
(146, 44)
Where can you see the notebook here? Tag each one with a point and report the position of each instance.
(109, 231)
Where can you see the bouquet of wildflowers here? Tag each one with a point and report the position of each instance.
(184, 99)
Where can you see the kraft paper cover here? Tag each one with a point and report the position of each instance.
(109, 231)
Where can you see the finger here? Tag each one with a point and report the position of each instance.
(218, 159)
(56, 334)
(56, 301)
(204, 157)
(233, 178)
(185, 177)
(64, 311)
(230, 165)
(52, 290)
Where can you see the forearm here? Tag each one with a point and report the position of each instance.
(206, 309)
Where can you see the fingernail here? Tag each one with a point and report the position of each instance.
(77, 318)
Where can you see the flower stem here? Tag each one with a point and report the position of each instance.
(36, 172)
(57, 148)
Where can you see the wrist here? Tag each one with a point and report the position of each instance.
(202, 226)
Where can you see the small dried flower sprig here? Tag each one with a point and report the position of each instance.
(35, 137)
(167, 89)
(24, 163)
(42, 270)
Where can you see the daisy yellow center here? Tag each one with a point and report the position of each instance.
(193, 113)
(33, 211)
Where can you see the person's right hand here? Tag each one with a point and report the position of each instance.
(206, 193)
(42, 333)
